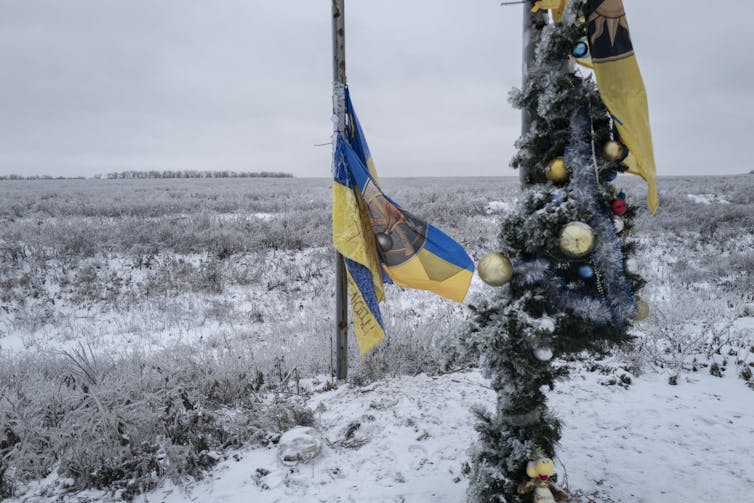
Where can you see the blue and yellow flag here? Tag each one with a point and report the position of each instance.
(378, 238)
(621, 87)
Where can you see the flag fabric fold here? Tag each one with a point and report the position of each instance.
(621, 87)
(380, 241)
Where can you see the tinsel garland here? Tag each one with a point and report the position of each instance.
(618, 304)
(607, 255)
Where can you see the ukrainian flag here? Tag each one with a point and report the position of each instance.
(376, 236)
(621, 87)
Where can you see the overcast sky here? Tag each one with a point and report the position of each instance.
(91, 86)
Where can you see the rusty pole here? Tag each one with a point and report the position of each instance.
(341, 287)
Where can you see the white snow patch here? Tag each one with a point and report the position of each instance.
(266, 217)
(707, 199)
(500, 206)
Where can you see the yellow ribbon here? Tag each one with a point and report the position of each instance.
(556, 6)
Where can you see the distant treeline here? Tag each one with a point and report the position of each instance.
(39, 177)
(143, 175)
(137, 175)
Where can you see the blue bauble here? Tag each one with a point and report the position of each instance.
(557, 197)
(581, 50)
(612, 175)
(586, 271)
(622, 195)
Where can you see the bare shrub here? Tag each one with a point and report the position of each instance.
(128, 422)
(689, 331)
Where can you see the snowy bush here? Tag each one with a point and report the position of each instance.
(127, 422)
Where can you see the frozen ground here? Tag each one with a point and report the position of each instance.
(189, 273)
(405, 439)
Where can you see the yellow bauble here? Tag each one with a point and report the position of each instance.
(576, 240)
(613, 151)
(556, 171)
(642, 310)
(495, 269)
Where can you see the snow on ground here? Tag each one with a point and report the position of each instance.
(659, 443)
(405, 440)
(501, 207)
(707, 199)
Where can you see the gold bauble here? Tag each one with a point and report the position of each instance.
(556, 171)
(642, 310)
(495, 269)
(613, 151)
(576, 240)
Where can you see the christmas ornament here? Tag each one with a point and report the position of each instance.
(576, 239)
(543, 354)
(556, 171)
(619, 206)
(547, 324)
(581, 50)
(541, 473)
(611, 175)
(622, 195)
(642, 310)
(614, 151)
(384, 240)
(557, 197)
(632, 266)
(619, 224)
(495, 269)
(586, 271)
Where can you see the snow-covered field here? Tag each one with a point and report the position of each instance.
(129, 309)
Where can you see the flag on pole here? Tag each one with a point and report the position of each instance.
(382, 242)
(621, 87)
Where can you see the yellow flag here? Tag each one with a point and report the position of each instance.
(622, 88)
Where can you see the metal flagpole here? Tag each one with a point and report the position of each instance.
(339, 108)
(532, 23)
(526, 61)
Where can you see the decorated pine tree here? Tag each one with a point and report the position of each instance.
(562, 271)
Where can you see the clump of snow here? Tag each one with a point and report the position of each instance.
(300, 444)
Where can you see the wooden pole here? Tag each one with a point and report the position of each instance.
(339, 107)
(526, 60)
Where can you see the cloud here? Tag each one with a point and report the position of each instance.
(91, 86)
